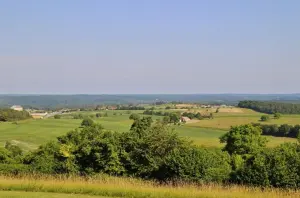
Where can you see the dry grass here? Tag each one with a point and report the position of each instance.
(126, 187)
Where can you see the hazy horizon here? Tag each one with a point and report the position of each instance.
(149, 47)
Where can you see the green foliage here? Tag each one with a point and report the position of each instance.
(279, 167)
(57, 116)
(14, 149)
(277, 115)
(99, 115)
(264, 118)
(15, 169)
(12, 115)
(87, 122)
(283, 130)
(244, 139)
(270, 107)
(192, 115)
(197, 165)
(134, 116)
(78, 116)
(166, 119)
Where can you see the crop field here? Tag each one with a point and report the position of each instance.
(125, 187)
(30, 134)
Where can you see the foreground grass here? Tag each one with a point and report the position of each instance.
(125, 187)
(24, 194)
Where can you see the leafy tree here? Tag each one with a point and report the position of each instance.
(197, 165)
(98, 115)
(166, 120)
(87, 122)
(12, 115)
(174, 118)
(244, 139)
(141, 125)
(134, 116)
(277, 115)
(264, 118)
(14, 149)
(57, 116)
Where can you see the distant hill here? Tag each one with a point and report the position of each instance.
(58, 101)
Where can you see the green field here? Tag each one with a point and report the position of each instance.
(30, 134)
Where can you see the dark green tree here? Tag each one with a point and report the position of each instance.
(277, 115)
(87, 122)
(57, 116)
(244, 139)
(134, 116)
(264, 118)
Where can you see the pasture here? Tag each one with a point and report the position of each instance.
(30, 134)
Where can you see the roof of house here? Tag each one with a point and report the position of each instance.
(185, 118)
(16, 106)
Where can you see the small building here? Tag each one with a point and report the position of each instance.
(184, 119)
(17, 108)
(38, 115)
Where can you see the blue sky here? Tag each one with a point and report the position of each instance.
(136, 46)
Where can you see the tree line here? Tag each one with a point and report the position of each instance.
(270, 107)
(7, 115)
(130, 108)
(153, 150)
(283, 130)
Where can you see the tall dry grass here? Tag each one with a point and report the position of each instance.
(133, 188)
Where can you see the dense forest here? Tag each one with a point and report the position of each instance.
(270, 107)
(12, 115)
(153, 150)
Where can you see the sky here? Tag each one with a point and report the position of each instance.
(149, 46)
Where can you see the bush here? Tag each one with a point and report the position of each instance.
(277, 115)
(264, 118)
(134, 116)
(57, 116)
(87, 122)
(12, 115)
(197, 165)
(15, 169)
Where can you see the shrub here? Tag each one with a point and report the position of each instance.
(264, 118)
(87, 122)
(277, 115)
(57, 116)
(134, 116)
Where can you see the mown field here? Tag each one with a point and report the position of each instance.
(30, 134)
(125, 187)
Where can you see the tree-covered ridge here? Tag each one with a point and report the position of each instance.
(12, 115)
(270, 107)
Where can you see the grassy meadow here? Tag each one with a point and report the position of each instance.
(125, 187)
(29, 134)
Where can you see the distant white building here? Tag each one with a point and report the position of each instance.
(17, 108)
(185, 119)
